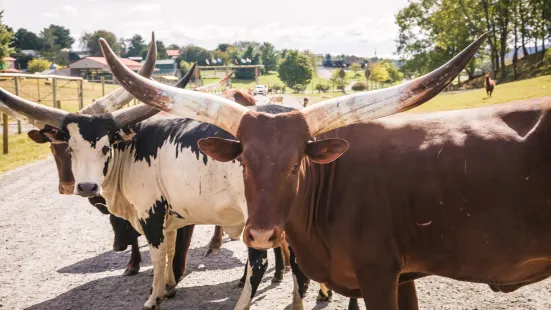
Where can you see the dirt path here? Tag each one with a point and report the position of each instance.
(55, 253)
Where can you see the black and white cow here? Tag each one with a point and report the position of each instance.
(151, 173)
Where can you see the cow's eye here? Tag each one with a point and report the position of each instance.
(105, 150)
(295, 168)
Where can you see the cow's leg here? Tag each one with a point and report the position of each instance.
(324, 293)
(170, 287)
(256, 266)
(353, 304)
(244, 277)
(286, 255)
(183, 240)
(158, 259)
(407, 296)
(379, 286)
(135, 259)
(278, 275)
(300, 283)
(215, 242)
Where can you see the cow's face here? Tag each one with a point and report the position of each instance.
(274, 152)
(125, 234)
(61, 155)
(88, 140)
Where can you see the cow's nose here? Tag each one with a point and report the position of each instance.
(87, 189)
(262, 238)
(119, 247)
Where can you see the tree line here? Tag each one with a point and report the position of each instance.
(431, 32)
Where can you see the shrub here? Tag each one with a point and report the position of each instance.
(359, 86)
(299, 88)
(38, 65)
(322, 87)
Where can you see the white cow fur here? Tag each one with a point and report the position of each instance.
(202, 194)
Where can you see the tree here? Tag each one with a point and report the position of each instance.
(193, 53)
(60, 37)
(249, 53)
(135, 46)
(269, 56)
(394, 74)
(5, 38)
(379, 73)
(26, 40)
(173, 47)
(38, 65)
(91, 41)
(161, 50)
(355, 67)
(223, 47)
(295, 69)
(123, 47)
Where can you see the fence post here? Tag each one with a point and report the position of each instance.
(5, 132)
(16, 82)
(38, 90)
(102, 85)
(81, 95)
(54, 100)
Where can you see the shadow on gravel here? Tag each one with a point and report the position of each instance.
(132, 292)
(117, 261)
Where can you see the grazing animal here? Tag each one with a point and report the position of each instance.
(275, 100)
(489, 84)
(370, 206)
(306, 100)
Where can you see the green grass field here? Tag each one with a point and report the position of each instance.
(23, 150)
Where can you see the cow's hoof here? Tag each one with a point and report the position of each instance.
(323, 297)
(241, 283)
(287, 268)
(278, 277)
(212, 252)
(131, 271)
(234, 239)
(170, 291)
(353, 304)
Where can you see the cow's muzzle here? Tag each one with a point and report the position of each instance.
(262, 238)
(87, 189)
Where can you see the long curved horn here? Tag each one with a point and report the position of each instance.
(120, 97)
(359, 108)
(35, 111)
(208, 108)
(208, 88)
(183, 82)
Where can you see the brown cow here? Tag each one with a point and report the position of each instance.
(489, 84)
(242, 97)
(460, 194)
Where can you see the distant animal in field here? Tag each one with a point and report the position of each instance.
(306, 100)
(489, 84)
(276, 99)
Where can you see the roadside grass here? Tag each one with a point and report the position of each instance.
(22, 151)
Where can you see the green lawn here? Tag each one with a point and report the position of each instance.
(525, 89)
(22, 150)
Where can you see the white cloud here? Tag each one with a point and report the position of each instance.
(66, 11)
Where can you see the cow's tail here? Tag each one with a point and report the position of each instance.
(183, 240)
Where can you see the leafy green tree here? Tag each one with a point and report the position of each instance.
(161, 50)
(223, 47)
(269, 56)
(5, 38)
(322, 87)
(38, 65)
(135, 46)
(193, 53)
(59, 36)
(91, 41)
(379, 73)
(173, 47)
(355, 67)
(295, 69)
(393, 72)
(26, 40)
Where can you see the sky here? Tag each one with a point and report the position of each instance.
(356, 27)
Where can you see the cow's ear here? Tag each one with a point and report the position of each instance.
(37, 137)
(220, 149)
(48, 134)
(326, 151)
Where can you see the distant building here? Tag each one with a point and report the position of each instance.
(165, 67)
(98, 66)
(9, 63)
(173, 54)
